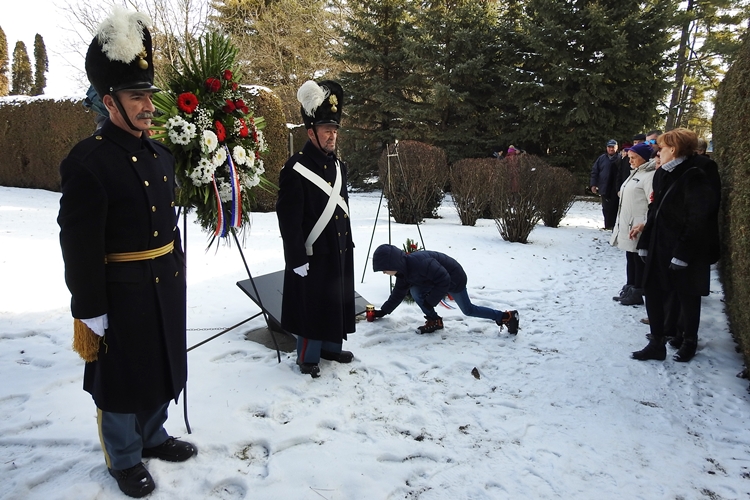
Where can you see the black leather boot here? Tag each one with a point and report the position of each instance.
(686, 351)
(654, 350)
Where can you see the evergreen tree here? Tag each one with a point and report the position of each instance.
(456, 49)
(3, 64)
(380, 81)
(585, 71)
(41, 65)
(21, 79)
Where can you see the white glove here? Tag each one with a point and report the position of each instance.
(302, 270)
(98, 324)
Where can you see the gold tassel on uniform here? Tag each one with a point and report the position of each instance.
(85, 341)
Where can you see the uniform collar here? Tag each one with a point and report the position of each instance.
(312, 151)
(121, 137)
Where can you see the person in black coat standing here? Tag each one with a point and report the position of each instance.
(679, 242)
(430, 276)
(604, 175)
(313, 212)
(124, 263)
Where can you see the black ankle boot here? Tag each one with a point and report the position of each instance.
(654, 350)
(686, 352)
(675, 342)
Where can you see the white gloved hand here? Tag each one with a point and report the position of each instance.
(98, 324)
(302, 270)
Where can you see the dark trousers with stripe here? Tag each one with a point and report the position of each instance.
(124, 435)
(308, 350)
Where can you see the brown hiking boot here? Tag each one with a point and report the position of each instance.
(431, 325)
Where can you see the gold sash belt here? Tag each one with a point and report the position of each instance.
(143, 255)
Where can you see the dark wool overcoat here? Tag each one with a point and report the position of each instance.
(319, 306)
(118, 196)
(434, 272)
(683, 224)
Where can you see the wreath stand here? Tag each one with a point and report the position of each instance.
(270, 307)
(258, 300)
(391, 153)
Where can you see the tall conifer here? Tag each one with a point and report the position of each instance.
(381, 83)
(584, 72)
(4, 88)
(41, 65)
(456, 49)
(21, 80)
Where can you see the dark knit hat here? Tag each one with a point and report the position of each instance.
(643, 150)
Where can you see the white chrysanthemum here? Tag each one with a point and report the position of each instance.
(202, 173)
(260, 169)
(210, 141)
(220, 157)
(240, 155)
(225, 191)
(250, 181)
(261, 141)
(189, 130)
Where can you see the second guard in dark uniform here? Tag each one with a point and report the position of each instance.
(318, 298)
(124, 263)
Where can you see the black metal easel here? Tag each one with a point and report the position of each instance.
(390, 155)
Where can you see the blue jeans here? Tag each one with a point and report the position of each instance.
(308, 350)
(463, 301)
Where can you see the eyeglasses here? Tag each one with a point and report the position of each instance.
(651, 141)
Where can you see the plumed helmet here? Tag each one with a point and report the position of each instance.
(320, 102)
(120, 56)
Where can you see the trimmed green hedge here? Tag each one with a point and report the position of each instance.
(731, 133)
(35, 135)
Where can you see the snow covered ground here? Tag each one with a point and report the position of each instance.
(559, 412)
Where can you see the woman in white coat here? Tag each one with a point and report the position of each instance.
(635, 195)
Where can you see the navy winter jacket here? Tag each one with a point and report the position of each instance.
(433, 272)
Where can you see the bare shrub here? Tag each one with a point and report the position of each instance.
(471, 186)
(561, 191)
(519, 188)
(414, 188)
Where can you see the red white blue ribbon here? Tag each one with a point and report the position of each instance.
(221, 229)
(235, 210)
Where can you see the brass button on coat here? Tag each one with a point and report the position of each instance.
(134, 158)
(145, 183)
(156, 233)
(157, 279)
(165, 178)
(153, 209)
(172, 204)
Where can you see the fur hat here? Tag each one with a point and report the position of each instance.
(321, 103)
(120, 55)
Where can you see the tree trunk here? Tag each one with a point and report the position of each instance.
(679, 74)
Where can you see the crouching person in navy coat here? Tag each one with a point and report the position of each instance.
(430, 276)
(318, 299)
(124, 263)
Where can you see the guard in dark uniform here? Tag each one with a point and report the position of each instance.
(124, 263)
(318, 298)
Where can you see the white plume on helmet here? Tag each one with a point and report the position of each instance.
(121, 34)
(311, 95)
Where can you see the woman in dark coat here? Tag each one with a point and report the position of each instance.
(430, 276)
(680, 241)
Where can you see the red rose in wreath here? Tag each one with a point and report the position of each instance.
(227, 75)
(229, 107)
(187, 102)
(213, 84)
